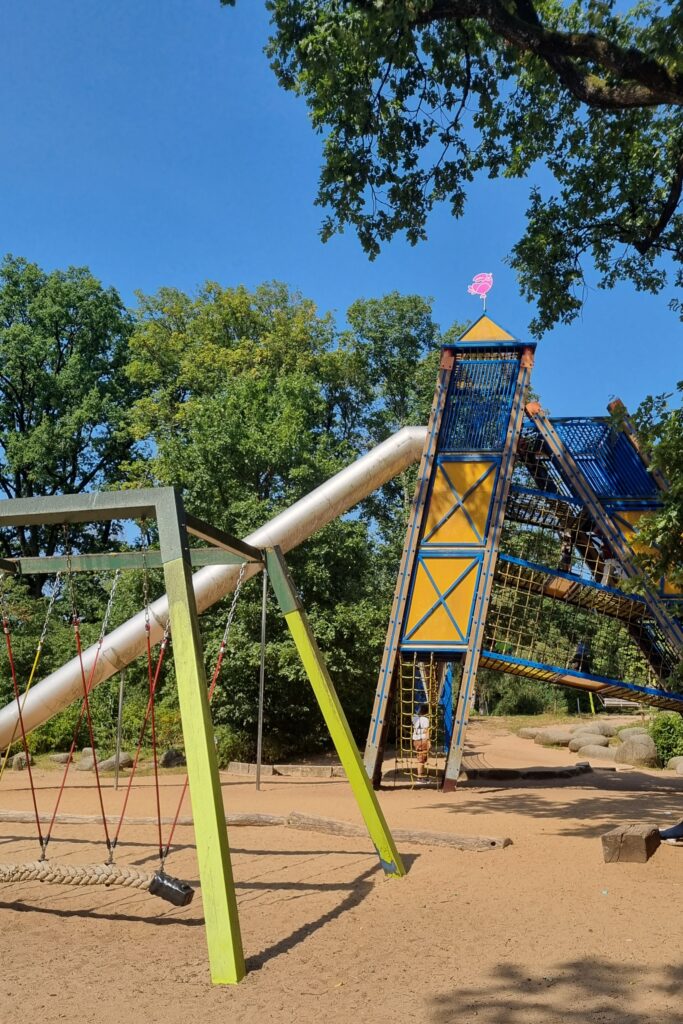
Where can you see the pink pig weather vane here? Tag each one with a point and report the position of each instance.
(481, 286)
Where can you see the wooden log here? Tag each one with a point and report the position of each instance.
(304, 822)
(631, 843)
(246, 820)
(477, 844)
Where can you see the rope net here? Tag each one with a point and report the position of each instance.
(559, 597)
(419, 719)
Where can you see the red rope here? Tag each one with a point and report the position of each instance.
(84, 703)
(13, 671)
(143, 730)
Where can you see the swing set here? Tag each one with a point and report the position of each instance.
(181, 635)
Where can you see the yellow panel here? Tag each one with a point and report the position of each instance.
(457, 529)
(485, 329)
(438, 626)
(633, 516)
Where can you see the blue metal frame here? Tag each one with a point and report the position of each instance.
(570, 672)
(572, 577)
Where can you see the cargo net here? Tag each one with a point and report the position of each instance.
(419, 721)
(558, 597)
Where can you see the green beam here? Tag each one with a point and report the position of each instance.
(114, 560)
(333, 713)
(226, 956)
(221, 539)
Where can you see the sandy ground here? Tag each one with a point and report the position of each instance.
(542, 931)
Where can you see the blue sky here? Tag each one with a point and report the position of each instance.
(151, 142)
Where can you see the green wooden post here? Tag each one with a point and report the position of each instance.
(223, 936)
(333, 713)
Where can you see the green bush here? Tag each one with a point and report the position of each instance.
(667, 732)
(233, 745)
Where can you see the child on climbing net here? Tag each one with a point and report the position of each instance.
(421, 740)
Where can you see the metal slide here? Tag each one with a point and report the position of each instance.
(287, 530)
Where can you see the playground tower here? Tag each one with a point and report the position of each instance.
(522, 532)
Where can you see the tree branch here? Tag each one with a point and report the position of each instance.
(645, 82)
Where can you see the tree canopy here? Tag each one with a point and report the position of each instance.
(417, 97)
(63, 389)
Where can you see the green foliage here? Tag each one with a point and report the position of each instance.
(667, 732)
(503, 694)
(416, 99)
(660, 430)
(64, 394)
(248, 400)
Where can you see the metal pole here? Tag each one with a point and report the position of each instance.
(122, 676)
(262, 679)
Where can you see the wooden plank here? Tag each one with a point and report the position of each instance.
(632, 843)
(478, 844)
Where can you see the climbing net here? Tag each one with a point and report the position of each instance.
(419, 719)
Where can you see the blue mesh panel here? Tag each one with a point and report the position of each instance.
(607, 458)
(478, 405)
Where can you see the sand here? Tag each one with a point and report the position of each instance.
(542, 931)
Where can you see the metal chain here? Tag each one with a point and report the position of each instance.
(109, 608)
(50, 606)
(233, 606)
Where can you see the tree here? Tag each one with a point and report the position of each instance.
(417, 97)
(660, 430)
(63, 391)
(249, 400)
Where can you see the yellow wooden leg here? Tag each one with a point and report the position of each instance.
(223, 936)
(333, 714)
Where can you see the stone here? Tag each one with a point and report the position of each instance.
(632, 843)
(172, 759)
(608, 729)
(85, 764)
(125, 761)
(313, 771)
(674, 762)
(633, 730)
(582, 739)
(679, 769)
(19, 761)
(594, 750)
(61, 758)
(86, 752)
(586, 726)
(529, 733)
(553, 738)
(639, 751)
(248, 768)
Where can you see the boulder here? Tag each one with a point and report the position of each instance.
(632, 730)
(582, 739)
(674, 762)
(125, 761)
(86, 752)
(530, 733)
(638, 750)
(60, 758)
(19, 761)
(553, 737)
(86, 762)
(608, 729)
(591, 727)
(594, 750)
(172, 759)
(679, 769)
